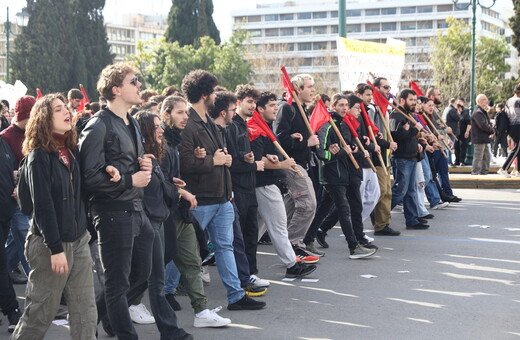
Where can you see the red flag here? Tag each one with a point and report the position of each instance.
(258, 127)
(84, 100)
(416, 88)
(352, 124)
(379, 99)
(320, 116)
(287, 84)
(421, 119)
(367, 120)
(38, 94)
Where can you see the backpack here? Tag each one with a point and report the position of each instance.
(23, 191)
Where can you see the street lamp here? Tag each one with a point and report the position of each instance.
(22, 18)
(473, 4)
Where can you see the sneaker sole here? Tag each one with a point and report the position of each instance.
(309, 262)
(360, 256)
(322, 244)
(253, 294)
(246, 307)
(295, 276)
(206, 324)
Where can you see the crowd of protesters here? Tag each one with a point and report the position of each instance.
(152, 188)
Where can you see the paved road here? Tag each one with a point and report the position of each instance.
(450, 282)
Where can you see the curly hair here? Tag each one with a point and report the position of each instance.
(113, 75)
(243, 91)
(222, 102)
(38, 133)
(265, 97)
(198, 83)
(169, 103)
(146, 124)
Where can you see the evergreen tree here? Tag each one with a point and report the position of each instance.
(514, 23)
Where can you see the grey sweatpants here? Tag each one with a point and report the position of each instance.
(481, 159)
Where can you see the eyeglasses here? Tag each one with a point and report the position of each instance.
(134, 81)
(232, 110)
(387, 87)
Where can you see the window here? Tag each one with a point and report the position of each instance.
(442, 24)
(410, 41)
(354, 28)
(304, 30)
(425, 41)
(388, 11)
(271, 17)
(425, 9)
(240, 19)
(322, 45)
(286, 31)
(389, 26)
(408, 10)
(306, 15)
(254, 18)
(372, 27)
(444, 8)
(319, 15)
(424, 25)
(284, 17)
(319, 29)
(354, 13)
(255, 33)
(408, 26)
(334, 29)
(334, 14)
(333, 45)
(304, 46)
(272, 32)
(290, 47)
(306, 62)
(372, 12)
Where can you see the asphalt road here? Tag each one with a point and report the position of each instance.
(450, 282)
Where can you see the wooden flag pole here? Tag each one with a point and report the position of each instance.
(304, 116)
(436, 131)
(385, 124)
(343, 142)
(373, 137)
(286, 156)
(362, 148)
(443, 123)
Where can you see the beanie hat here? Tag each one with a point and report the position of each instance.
(22, 109)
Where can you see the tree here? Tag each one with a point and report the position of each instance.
(514, 23)
(189, 20)
(452, 65)
(165, 64)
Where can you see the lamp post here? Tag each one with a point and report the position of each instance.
(342, 13)
(22, 19)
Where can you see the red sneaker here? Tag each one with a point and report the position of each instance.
(307, 259)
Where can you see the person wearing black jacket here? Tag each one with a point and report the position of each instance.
(481, 134)
(405, 159)
(464, 126)
(112, 137)
(57, 244)
(290, 129)
(452, 118)
(501, 130)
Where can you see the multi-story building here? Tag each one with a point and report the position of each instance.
(302, 34)
(15, 29)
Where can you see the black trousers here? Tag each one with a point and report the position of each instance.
(8, 302)
(247, 208)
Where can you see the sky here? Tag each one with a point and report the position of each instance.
(221, 15)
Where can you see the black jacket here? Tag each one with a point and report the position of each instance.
(363, 132)
(100, 147)
(406, 140)
(7, 166)
(452, 119)
(263, 146)
(480, 126)
(59, 213)
(243, 174)
(159, 195)
(502, 122)
(211, 184)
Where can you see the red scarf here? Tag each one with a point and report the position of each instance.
(63, 150)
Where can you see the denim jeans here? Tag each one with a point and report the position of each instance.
(218, 219)
(125, 240)
(441, 164)
(405, 188)
(430, 189)
(172, 276)
(15, 244)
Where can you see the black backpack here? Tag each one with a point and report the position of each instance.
(23, 191)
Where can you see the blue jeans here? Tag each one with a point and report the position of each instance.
(15, 243)
(441, 164)
(432, 194)
(218, 219)
(172, 276)
(405, 188)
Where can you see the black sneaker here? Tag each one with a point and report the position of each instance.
(422, 220)
(173, 303)
(13, 318)
(428, 217)
(265, 239)
(18, 277)
(368, 245)
(185, 336)
(387, 231)
(246, 303)
(320, 238)
(418, 226)
(209, 260)
(300, 270)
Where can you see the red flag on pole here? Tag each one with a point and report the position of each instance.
(84, 100)
(38, 94)
(352, 124)
(258, 127)
(379, 99)
(367, 120)
(416, 88)
(287, 84)
(320, 116)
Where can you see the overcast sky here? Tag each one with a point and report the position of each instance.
(114, 9)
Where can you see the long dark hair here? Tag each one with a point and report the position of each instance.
(145, 119)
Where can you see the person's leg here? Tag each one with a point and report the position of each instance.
(370, 194)
(441, 163)
(8, 302)
(410, 197)
(16, 242)
(515, 136)
(356, 206)
(172, 277)
(239, 250)
(301, 191)
(430, 189)
(478, 154)
(339, 195)
(321, 212)
(456, 148)
(271, 210)
(486, 160)
(463, 150)
(400, 182)
(382, 209)
(247, 211)
(330, 221)
(494, 148)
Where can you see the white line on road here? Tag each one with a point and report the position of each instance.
(346, 323)
(419, 303)
(481, 268)
(462, 294)
(483, 258)
(470, 277)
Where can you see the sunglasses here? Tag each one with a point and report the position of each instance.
(387, 87)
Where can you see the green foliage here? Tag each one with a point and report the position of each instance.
(189, 20)
(451, 61)
(514, 23)
(165, 64)
(64, 44)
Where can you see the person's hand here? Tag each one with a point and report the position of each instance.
(145, 163)
(199, 152)
(379, 135)
(260, 165)
(367, 140)
(334, 149)
(229, 161)
(249, 157)
(437, 146)
(288, 164)
(419, 126)
(272, 158)
(297, 136)
(430, 148)
(141, 179)
(449, 130)
(393, 146)
(13, 194)
(347, 149)
(422, 140)
(421, 184)
(466, 134)
(419, 148)
(354, 148)
(313, 141)
(113, 173)
(219, 158)
(179, 183)
(188, 196)
(366, 154)
(492, 136)
(377, 148)
(59, 263)
(406, 126)
(441, 137)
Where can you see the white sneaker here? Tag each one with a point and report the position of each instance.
(210, 318)
(503, 173)
(204, 274)
(369, 239)
(515, 173)
(441, 205)
(257, 282)
(139, 314)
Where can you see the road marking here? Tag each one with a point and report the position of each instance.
(481, 268)
(346, 323)
(420, 320)
(453, 293)
(483, 258)
(495, 240)
(458, 276)
(238, 325)
(419, 303)
(328, 291)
